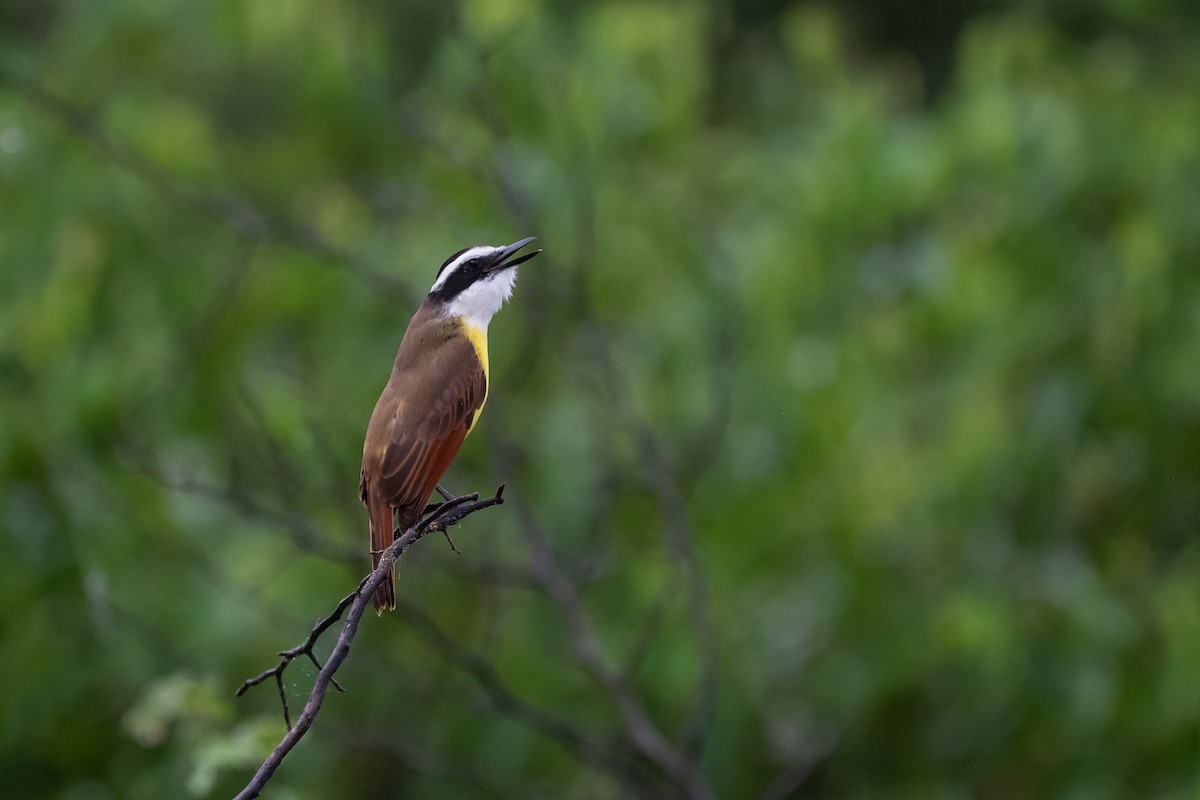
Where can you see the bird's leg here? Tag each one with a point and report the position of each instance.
(433, 506)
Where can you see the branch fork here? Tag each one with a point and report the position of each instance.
(440, 518)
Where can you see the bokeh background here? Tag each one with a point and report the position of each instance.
(850, 420)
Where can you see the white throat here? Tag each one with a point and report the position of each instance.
(479, 302)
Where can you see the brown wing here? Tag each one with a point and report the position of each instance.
(419, 423)
(426, 434)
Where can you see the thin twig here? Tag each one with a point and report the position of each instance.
(358, 601)
(286, 657)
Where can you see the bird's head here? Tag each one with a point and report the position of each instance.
(474, 283)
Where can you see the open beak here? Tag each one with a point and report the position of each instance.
(504, 259)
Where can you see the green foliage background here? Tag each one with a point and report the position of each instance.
(899, 308)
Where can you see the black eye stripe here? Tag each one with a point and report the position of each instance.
(457, 281)
(450, 260)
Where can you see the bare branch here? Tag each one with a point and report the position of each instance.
(306, 649)
(453, 511)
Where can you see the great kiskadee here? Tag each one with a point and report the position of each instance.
(432, 400)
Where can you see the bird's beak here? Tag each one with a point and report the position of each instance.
(504, 259)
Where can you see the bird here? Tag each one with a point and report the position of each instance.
(437, 389)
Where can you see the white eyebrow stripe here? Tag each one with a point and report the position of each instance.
(466, 255)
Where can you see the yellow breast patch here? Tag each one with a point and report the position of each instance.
(478, 338)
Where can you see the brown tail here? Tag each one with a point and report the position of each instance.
(381, 539)
(382, 536)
